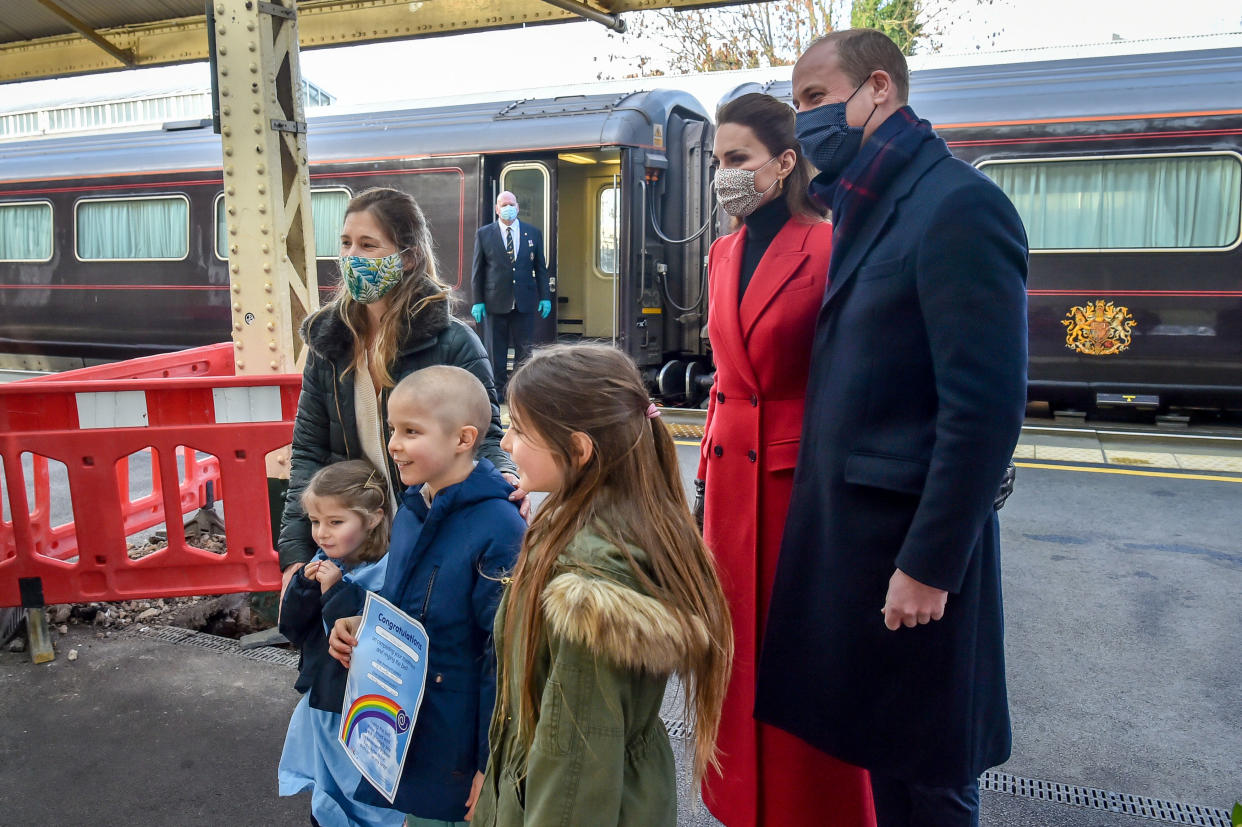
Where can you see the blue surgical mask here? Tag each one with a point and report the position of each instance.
(827, 139)
(368, 279)
(508, 212)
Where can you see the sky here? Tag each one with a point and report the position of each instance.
(572, 53)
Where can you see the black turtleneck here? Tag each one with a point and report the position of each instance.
(761, 227)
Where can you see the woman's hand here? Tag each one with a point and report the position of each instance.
(327, 576)
(476, 787)
(519, 495)
(343, 639)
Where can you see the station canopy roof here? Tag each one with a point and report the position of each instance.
(56, 38)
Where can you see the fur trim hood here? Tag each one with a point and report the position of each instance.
(326, 333)
(615, 620)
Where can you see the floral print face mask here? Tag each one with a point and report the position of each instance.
(368, 279)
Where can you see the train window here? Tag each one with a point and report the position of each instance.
(222, 229)
(530, 183)
(1137, 202)
(133, 229)
(328, 215)
(26, 231)
(606, 230)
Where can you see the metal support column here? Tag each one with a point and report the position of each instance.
(271, 243)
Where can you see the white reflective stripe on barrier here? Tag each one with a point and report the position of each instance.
(112, 409)
(260, 404)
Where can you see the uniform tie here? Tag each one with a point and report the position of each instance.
(509, 244)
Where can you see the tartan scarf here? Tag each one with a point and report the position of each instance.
(854, 194)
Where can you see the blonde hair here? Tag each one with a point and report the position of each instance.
(356, 485)
(403, 220)
(629, 488)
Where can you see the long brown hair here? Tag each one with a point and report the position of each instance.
(773, 124)
(357, 486)
(403, 220)
(629, 490)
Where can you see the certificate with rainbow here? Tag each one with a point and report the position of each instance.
(387, 673)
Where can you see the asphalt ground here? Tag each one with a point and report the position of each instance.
(1124, 660)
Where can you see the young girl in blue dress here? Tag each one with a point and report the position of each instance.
(347, 506)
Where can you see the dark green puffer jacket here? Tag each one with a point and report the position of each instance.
(326, 430)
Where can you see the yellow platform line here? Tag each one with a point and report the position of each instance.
(1127, 471)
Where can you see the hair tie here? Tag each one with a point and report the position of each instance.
(652, 411)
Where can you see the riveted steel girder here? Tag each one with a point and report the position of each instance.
(321, 23)
(271, 247)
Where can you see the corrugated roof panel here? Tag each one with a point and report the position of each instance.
(29, 19)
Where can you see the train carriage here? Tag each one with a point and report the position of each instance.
(1126, 172)
(116, 245)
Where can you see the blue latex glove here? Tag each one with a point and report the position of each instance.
(545, 307)
(479, 311)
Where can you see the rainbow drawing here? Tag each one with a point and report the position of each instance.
(380, 707)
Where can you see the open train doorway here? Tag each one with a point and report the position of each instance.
(589, 261)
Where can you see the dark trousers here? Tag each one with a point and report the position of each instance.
(505, 329)
(905, 804)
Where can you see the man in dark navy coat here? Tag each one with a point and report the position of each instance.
(509, 281)
(884, 644)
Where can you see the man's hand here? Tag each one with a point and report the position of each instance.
(476, 787)
(343, 639)
(327, 576)
(909, 603)
(545, 307)
(479, 311)
(518, 496)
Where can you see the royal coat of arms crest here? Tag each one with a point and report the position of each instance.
(1100, 328)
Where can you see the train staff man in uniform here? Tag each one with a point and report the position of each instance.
(884, 644)
(509, 281)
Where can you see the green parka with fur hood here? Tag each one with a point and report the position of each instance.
(600, 754)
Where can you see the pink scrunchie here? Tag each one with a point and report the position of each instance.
(652, 411)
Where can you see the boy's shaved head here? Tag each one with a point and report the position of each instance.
(454, 396)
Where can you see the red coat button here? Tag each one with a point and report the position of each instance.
(718, 451)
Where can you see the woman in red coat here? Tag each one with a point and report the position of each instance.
(766, 283)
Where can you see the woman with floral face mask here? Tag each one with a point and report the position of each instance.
(390, 317)
(766, 282)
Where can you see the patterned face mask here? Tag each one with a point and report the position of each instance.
(368, 279)
(735, 189)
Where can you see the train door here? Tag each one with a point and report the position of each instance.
(588, 247)
(534, 184)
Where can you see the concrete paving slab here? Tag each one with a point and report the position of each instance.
(1063, 454)
(1204, 462)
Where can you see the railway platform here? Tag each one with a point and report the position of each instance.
(1124, 677)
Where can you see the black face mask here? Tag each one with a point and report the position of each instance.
(827, 139)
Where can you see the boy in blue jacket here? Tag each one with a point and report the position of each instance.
(455, 535)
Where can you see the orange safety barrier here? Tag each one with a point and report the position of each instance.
(199, 425)
(147, 511)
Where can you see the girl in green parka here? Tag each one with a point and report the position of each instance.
(614, 591)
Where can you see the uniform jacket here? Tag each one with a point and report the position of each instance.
(502, 285)
(762, 351)
(326, 430)
(445, 568)
(914, 404)
(600, 754)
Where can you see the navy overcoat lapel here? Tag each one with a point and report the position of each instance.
(932, 153)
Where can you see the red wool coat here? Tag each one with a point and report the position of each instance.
(762, 351)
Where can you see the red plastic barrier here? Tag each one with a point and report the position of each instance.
(147, 511)
(90, 427)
